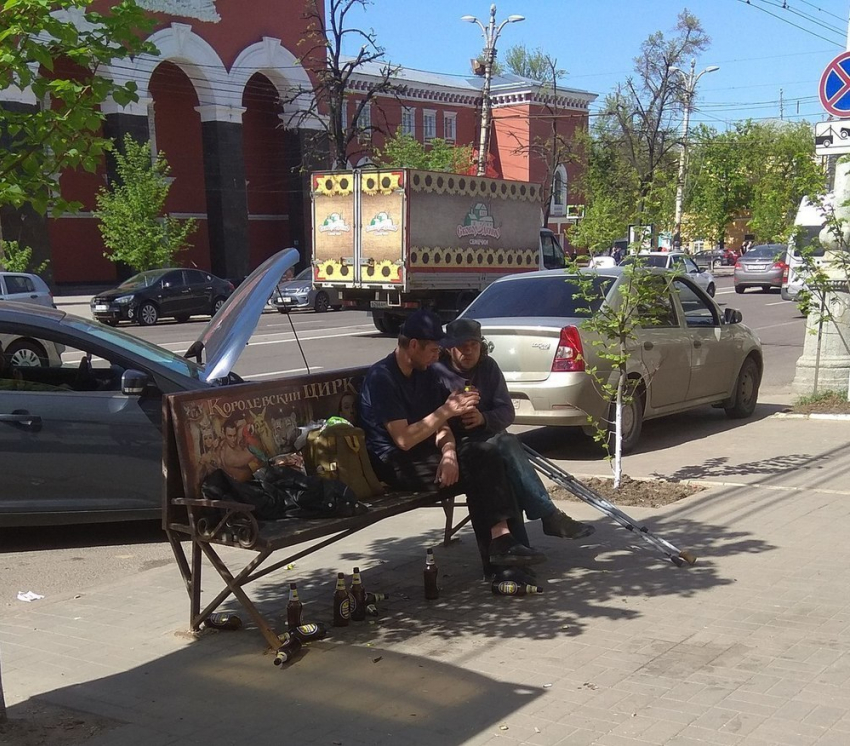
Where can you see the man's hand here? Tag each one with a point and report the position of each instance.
(448, 472)
(472, 419)
(461, 402)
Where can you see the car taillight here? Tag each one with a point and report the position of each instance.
(780, 265)
(738, 264)
(785, 271)
(569, 356)
(231, 286)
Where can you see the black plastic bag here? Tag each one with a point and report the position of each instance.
(281, 492)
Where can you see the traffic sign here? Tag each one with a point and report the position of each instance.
(832, 138)
(834, 89)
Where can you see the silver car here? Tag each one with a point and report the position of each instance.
(22, 287)
(698, 355)
(763, 266)
(300, 293)
(677, 261)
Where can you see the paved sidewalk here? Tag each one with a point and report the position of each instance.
(750, 646)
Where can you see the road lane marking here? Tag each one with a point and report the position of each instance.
(777, 303)
(302, 369)
(370, 330)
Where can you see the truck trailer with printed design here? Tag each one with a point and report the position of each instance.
(391, 241)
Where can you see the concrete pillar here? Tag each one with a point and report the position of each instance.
(826, 348)
(227, 197)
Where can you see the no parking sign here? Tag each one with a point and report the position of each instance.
(834, 90)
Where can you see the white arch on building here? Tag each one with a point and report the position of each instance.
(558, 203)
(270, 58)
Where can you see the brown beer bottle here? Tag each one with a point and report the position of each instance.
(358, 597)
(290, 645)
(510, 588)
(342, 605)
(294, 608)
(373, 598)
(432, 590)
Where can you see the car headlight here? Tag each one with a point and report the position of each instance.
(124, 299)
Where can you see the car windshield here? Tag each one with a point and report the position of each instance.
(142, 280)
(646, 260)
(539, 296)
(305, 274)
(137, 346)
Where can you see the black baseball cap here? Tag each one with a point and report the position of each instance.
(423, 324)
(460, 331)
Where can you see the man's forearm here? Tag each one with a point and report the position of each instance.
(417, 432)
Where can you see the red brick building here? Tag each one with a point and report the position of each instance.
(211, 101)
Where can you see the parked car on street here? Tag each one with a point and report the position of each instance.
(23, 287)
(698, 354)
(763, 266)
(23, 350)
(716, 258)
(679, 262)
(81, 441)
(300, 293)
(149, 296)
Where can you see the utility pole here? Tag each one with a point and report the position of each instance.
(490, 32)
(781, 107)
(690, 81)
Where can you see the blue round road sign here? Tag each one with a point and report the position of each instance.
(834, 88)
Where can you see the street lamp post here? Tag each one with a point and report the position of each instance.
(690, 81)
(490, 32)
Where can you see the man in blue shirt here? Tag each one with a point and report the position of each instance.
(404, 412)
(466, 364)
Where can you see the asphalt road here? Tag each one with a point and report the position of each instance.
(71, 559)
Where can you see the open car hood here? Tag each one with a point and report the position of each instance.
(223, 339)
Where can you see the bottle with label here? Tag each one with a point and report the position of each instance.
(310, 632)
(432, 589)
(294, 608)
(220, 620)
(510, 588)
(290, 645)
(358, 597)
(373, 598)
(342, 604)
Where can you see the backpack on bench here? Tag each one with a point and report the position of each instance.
(339, 452)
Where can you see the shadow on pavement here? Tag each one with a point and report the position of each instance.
(570, 443)
(39, 538)
(220, 690)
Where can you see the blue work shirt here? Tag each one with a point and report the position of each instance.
(387, 395)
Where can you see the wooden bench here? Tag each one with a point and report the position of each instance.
(193, 425)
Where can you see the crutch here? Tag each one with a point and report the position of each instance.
(566, 480)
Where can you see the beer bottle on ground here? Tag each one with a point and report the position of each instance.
(342, 605)
(221, 620)
(310, 632)
(294, 608)
(510, 588)
(358, 597)
(373, 598)
(432, 590)
(289, 647)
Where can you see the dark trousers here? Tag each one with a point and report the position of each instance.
(482, 479)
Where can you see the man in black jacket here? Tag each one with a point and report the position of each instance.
(466, 365)
(404, 412)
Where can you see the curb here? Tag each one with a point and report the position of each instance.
(813, 416)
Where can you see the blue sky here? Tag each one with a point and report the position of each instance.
(596, 41)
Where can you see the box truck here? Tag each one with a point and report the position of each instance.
(391, 241)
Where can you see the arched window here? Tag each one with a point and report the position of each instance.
(558, 204)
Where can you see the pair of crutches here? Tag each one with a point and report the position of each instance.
(678, 557)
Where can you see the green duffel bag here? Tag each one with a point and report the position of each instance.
(339, 452)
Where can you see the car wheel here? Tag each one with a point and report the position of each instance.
(217, 303)
(746, 393)
(181, 319)
(148, 314)
(25, 354)
(739, 289)
(711, 290)
(380, 324)
(632, 419)
(322, 303)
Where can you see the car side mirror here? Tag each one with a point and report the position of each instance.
(134, 382)
(732, 316)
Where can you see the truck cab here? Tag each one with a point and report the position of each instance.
(551, 253)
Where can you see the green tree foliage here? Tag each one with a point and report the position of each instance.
(760, 168)
(132, 224)
(633, 158)
(58, 49)
(17, 258)
(405, 151)
(533, 63)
